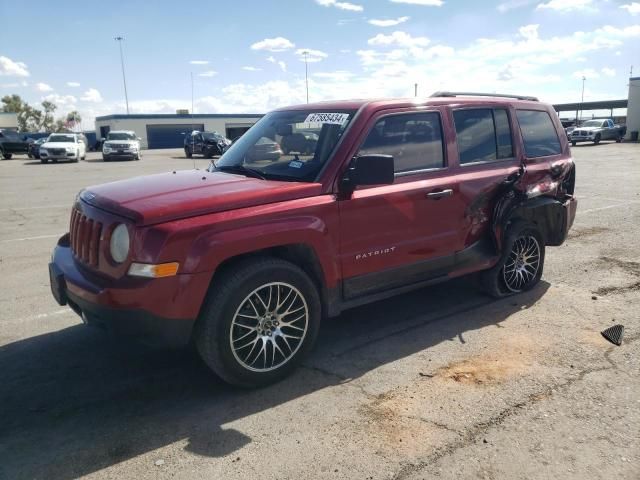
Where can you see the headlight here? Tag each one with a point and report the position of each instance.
(43, 150)
(119, 244)
(71, 149)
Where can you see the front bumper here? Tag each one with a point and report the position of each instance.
(583, 138)
(120, 155)
(64, 156)
(159, 312)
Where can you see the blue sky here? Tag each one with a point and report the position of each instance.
(249, 51)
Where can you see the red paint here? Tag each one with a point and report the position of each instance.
(201, 219)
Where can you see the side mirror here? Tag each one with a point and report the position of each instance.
(138, 138)
(371, 170)
(103, 139)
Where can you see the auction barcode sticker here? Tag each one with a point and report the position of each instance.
(335, 118)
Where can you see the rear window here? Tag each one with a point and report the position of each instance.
(538, 133)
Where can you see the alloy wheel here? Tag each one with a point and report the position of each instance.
(269, 327)
(522, 264)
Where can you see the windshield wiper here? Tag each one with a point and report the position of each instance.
(241, 169)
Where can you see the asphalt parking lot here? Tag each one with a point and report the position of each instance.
(439, 383)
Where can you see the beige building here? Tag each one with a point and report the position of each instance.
(9, 120)
(169, 130)
(633, 108)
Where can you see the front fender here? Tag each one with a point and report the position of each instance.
(211, 248)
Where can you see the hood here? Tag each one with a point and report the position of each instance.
(589, 129)
(171, 196)
(47, 145)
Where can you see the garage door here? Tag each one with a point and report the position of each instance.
(169, 136)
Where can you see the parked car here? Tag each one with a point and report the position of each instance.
(208, 144)
(264, 149)
(63, 146)
(121, 145)
(34, 148)
(245, 258)
(597, 130)
(11, 143)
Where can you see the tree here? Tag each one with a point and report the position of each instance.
(73, 119)
(15, 104)
(47, 122)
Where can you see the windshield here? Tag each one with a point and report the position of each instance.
(288, 145)
(120, 136)
(61, 139)
(211, 136)
(593, 123)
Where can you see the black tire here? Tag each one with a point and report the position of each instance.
(618, 139)
(105, 159)
(596, 140)
(573, 142)
(29, 155)
(494, 281)
(187, 152)
(232, 289)
(7, 156)
(44, 160)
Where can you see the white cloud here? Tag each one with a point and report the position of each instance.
(388, 23)
(64, 102)
(9, 68)
(281, 64)
(251, 69)
(609, 72)
(277, 44)
(73, 84)
(92, 95)
(14, 84)
(633, 8)
(530, 32)
(43, 87)
(401, 39)
(513, 4)
(312, 55)
(588, 73)
(428, 3)
(352, 7)
(199, 62)
(208, 73)
(337, 76)
(566, 5)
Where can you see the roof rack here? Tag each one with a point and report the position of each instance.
(475, 94)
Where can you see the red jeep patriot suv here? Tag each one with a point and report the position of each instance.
(247, 257)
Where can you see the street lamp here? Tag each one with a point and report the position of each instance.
(124, 80)
(582, 97)
(306, 72)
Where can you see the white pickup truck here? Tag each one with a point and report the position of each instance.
(596, 130)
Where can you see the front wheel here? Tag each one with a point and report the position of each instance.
(618, 139)
(187, 152)
(521, 263)
(7, 156)
(259, 322)
(596, 140)
(573, 142)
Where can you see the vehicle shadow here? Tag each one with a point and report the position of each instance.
(74, 402)
(59, 162)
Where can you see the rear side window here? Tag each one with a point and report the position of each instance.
(483, 135)
(414, 140)
(538, 133)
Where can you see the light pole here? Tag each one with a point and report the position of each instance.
(306, 72)
(124, 80)
(581, 98)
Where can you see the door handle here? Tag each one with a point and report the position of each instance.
(439, 194)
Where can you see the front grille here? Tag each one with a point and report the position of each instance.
(57, 151)
(118, 146)
(85, 237)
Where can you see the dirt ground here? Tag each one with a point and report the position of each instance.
(439, 383)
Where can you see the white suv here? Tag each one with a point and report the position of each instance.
(63, 146)
(121, 144)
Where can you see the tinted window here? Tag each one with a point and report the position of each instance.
(414, 140)
(538, 133)
(503, 133)
(476, 135)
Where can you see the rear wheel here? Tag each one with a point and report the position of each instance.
(520, 266)
(259, 322)
(619, 139)
(7, 156)
(187, 152)
(573, 142)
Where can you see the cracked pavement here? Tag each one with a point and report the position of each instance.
(439, 383)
